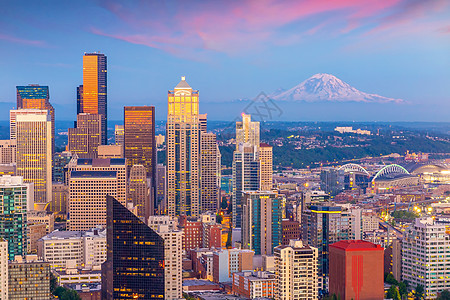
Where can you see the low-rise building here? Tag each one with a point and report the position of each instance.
(251, 285)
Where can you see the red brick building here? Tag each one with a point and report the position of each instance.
(290, 231)
(356, 270)
(193, 235)
(252, 285)
(212, 235)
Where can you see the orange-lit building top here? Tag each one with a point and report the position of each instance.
(90, 84)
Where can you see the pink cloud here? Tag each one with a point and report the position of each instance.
(235, 27)
(17, 40)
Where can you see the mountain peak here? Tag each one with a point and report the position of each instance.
(327, 87)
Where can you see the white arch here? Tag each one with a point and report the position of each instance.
(391, 169)
(354, 168)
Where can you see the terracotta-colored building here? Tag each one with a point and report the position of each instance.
(193, 235)
(356, 270)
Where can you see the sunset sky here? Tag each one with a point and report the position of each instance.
(228, 49)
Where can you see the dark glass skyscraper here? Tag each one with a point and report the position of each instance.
(134, 268)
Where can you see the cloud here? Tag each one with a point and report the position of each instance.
(195, 28)
(13, 39)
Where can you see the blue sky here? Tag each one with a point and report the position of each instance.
(229, 49)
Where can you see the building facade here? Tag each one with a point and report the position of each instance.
(134, 268)
(296, 271)
(13, 216)
(94, 99)
(209, 172)
(34, 151)
(261, 221)
(266, 167)
(425, 252)
(182, 151)
(3, 269)
(356, 270)
(86, 137)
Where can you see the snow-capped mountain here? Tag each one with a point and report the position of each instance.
(326, 87)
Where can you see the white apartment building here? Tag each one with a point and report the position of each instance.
(173, 240)
(296, 271)
(82, 249)
(426, 255)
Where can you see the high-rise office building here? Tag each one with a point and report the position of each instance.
(425, 254)
(90, 180)
(182, 151)
(247, 131)
(86, 137)
(322, 226)
(79, 99)
(139, 142)
(94, 99)
(296, 271)
(203, 121)
(60, 160)
(35, 96)
(3, 269)
(245, 171)
(119, 134)
(209, 172)
(103, 164)
(261, 221)
(138, 191)
(332, 180)
(8, 152)
(87, 198)
(34, 151)
(161, 188)
(266, 167)
(134, 268)
(356, 270)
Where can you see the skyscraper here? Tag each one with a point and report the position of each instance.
(35, 96)
(85, 139)
(138, 191)
(134, 268)
(322, 226)
(183, 138)
(209, 172)
(261, 221)
(139, 141)
(246, 164)
(34, 151)
(247, 131)
(79, 99)
(13, 216)
(118, 135)
(266, 169)
(94, 99)
(245, 178)
(90, 180)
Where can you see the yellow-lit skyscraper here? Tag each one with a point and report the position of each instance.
(94, 90)
(35, 96)
(247, 132)
(266, 167)
(85, 139)
(33, 129)
(182, 130)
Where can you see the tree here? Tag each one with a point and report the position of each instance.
(390, 279)
(69, 294)
(419, 292)
(444, 295)
(393, 293)
(402, 288)
(53, 283)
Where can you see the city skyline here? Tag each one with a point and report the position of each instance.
(397, 49)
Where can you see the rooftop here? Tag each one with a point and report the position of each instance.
(355, 245)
